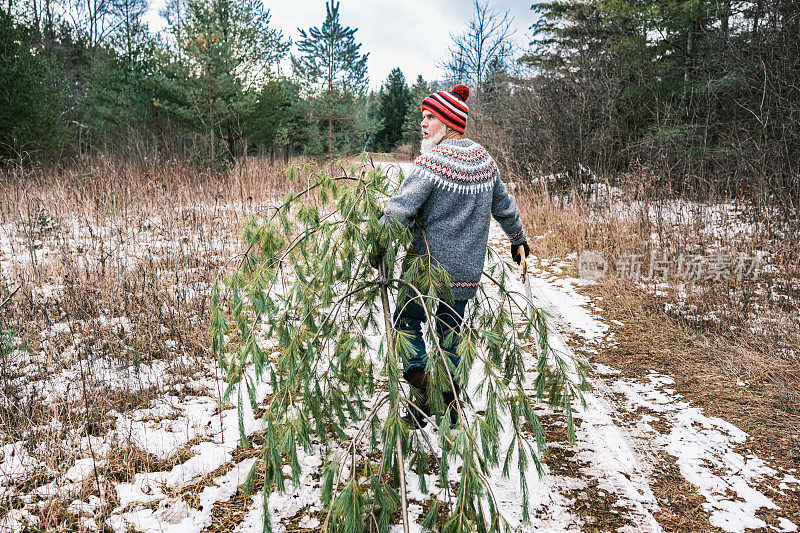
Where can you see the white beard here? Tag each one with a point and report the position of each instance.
(430, 143)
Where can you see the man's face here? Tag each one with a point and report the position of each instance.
(431, 125)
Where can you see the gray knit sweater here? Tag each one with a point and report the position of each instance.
(448, 196)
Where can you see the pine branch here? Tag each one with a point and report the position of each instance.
(398, 444)
(322, 379)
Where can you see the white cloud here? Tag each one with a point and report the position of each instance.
(410, 34)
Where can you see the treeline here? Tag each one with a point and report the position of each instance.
(699, 96)
(91, 77)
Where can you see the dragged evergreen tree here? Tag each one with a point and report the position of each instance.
(413, 119)
(334, 377)
(392, 108)
(331, 65)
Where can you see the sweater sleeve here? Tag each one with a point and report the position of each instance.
(403, 206)
(505, 212)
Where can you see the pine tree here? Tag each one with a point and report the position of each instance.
(118, 102)
(330, 64)
(29, 113)
(228, 49)
(394, 101)
(413, 118)
(306, 282)
(277, 119)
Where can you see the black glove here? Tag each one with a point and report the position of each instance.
(515, 251)
(376, 256)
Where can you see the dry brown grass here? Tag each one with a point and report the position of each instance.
(741, 380)
(741, 366)
(112, 265)
(709, 371)
(761, 311)
(124, 460)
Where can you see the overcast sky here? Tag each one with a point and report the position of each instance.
(410, 34)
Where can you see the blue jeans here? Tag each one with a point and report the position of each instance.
(409, 316)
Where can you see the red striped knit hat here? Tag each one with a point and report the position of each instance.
(450, 107)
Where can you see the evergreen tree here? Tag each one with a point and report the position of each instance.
(305, 281)
(118, 102)
(269, 112)
(634, 88)
(277, 119)
(30, 98)
(367, 122)
(228, 50)
(394, 101)
(413, 118)
(331, 65)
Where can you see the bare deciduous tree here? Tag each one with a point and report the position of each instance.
(486, 45)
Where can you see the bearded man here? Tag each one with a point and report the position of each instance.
(448, 196)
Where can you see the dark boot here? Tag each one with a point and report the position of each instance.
(417, 379)
(416, 419)
(419, 395)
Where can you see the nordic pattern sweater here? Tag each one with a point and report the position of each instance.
(448, 196)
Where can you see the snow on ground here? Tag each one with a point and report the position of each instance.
(622, 458)
(616, 454)
(721, 220)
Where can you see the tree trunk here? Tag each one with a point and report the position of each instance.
(36, 25)
(231, 142)
(756, 16)
(725, 17)
(330, 117)
(330, 136)
(398, 447)
(213, 150)
(687, 69)
(48, 22)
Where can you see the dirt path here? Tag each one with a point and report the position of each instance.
(647, 459)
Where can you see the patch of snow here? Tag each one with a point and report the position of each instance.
(704, 449)
(606, 370)
(18, 520)
(16, 464)
(788, 478)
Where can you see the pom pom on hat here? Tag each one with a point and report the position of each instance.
(462, 91)
(450, 107)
